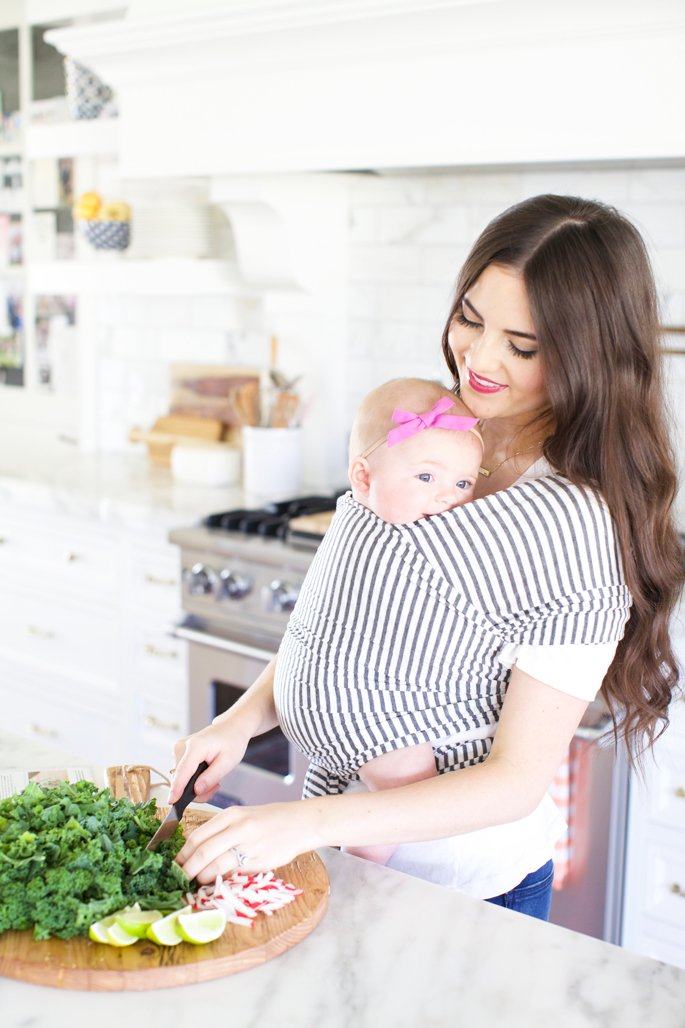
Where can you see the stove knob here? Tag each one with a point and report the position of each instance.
(279, 596)
(201, 580)
(233, 586)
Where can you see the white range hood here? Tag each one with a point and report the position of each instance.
(219, 88)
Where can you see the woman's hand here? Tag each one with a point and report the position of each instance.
(268, 836)
(222, 745)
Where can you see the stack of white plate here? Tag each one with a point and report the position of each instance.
(169, 219)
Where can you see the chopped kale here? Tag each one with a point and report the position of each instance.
(72, 854)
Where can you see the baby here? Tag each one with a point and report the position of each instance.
(414, 451)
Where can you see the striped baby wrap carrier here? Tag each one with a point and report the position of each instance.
(399, 633)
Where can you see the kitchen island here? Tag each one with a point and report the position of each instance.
(390, 951)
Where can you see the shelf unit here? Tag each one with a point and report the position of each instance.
(93, 146)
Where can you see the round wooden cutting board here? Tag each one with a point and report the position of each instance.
(81, 964)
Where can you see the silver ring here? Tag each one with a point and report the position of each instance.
(240, 857)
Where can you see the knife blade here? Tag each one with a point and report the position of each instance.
(176, 811)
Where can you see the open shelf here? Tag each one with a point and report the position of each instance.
(111, 273)
(73, 138)
(14, 149)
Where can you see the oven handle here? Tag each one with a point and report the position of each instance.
(217, 643)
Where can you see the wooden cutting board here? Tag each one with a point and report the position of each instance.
(312, 524)
(81, 964)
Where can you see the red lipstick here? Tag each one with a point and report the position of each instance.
(483, 385)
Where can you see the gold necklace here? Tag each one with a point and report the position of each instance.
(518, 453)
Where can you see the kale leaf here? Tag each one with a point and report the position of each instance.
(71, 854)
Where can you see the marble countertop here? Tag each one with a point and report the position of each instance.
(390, 951)
(116, 489)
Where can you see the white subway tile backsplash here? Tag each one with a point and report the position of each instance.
(364, 225)
(400, 302)
(389, 188)
(362, 339)
(662, 224)
(658, 184)
(669, 267)
(363, 300)
(389, 263)
(441, 264)
(481, 215)
(447, 226)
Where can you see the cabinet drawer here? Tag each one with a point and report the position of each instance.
(159, 727)
(664, 895)
(663, 949)
(154, 579)
(75, 556)
(62, 637)
(85, 733)
(157, 660)
(666, 786)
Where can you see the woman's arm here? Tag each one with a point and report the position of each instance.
(223, 743)
(535, 729)
(536, 725)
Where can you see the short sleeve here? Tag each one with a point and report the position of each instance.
(574, 669)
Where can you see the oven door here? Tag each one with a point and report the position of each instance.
(219, 671)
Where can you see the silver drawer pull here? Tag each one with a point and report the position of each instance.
(680, 792)
(677, 889)
(153, 651)
(168, 726)
(40, 633)
(46, 733)
(156, 580)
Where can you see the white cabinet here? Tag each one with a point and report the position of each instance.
(87, 655)
(41, 705)
(654, 894)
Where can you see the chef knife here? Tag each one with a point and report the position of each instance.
(171, 821)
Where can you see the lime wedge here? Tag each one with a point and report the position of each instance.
(116, 936)
(165, 931)
(136, 922)
(98, 931)
(205, 926)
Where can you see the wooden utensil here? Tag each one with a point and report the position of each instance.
(284, 409)
(81, 964)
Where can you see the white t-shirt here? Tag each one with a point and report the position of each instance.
(492, 860)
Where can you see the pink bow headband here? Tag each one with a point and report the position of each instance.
(410, 424)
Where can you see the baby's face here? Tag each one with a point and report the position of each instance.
(430, 472)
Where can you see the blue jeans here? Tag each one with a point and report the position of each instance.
(532, 896)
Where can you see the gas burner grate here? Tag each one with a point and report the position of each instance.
(272, 519)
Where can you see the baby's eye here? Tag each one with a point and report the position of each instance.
(464, 483)
(425, 476)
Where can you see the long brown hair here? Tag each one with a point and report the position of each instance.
(593, 302)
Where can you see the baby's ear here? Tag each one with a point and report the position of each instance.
(358, 474)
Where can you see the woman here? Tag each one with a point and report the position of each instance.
(553, 342)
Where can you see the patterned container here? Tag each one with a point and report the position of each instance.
(87, 95)
(107, 235)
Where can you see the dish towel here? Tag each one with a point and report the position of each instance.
(568, 790)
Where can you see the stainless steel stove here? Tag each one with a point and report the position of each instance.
(241, 574)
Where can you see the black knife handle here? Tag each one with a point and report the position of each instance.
(188, 794)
